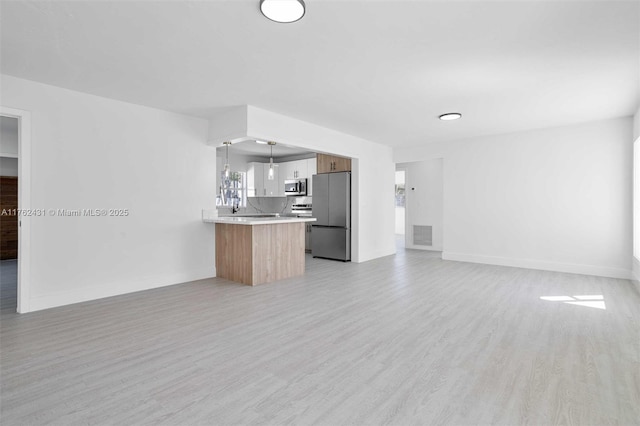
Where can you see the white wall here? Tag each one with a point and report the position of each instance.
(425, 200)
(96, 153)
(556, 199)
(228, 124)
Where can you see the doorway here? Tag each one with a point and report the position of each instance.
(424, 204)
(9, 142)
(15, 158)
(400, 204)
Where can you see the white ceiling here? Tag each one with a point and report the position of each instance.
(381, 70)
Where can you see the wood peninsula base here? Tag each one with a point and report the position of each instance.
(260, 253)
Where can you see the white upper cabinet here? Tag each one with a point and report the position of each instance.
(312, 167)
(258, 184)
(285, 172)
(255, 179)
(300, 169)
(294, 169)
(271, 187)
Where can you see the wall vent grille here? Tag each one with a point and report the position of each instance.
(422, 235)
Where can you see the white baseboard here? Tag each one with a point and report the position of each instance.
(84, 294)
(600, 271)
(375, 255)
(635, 272)
(425, 248)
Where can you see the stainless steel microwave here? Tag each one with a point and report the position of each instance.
(295, 187)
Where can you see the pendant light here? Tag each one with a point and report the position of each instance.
(271, 171)
(227, 168)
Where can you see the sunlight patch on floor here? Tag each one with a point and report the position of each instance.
(590, 300)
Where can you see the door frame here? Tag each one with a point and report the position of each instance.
(406, 201)
(24, 203)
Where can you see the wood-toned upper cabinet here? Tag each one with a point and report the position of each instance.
(341, 164)
(332, 163)
(323, 163)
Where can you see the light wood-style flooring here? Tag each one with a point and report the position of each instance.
(402, 340)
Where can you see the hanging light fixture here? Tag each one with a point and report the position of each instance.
(227, 168)
(284, 11)
(271, 171)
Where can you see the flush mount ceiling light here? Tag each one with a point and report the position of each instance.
(450, 116)
(284, 11)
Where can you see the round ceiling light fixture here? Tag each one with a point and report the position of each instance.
(450, 116)
(284, 11)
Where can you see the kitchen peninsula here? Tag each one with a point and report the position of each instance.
(255, 250)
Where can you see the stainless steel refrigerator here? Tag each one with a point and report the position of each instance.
(331, 233)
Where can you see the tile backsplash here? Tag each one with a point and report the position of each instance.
(280, 205)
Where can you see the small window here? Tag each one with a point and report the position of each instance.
(232, 191)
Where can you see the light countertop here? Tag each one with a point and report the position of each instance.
(252, 220)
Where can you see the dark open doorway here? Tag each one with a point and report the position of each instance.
(9, 148)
